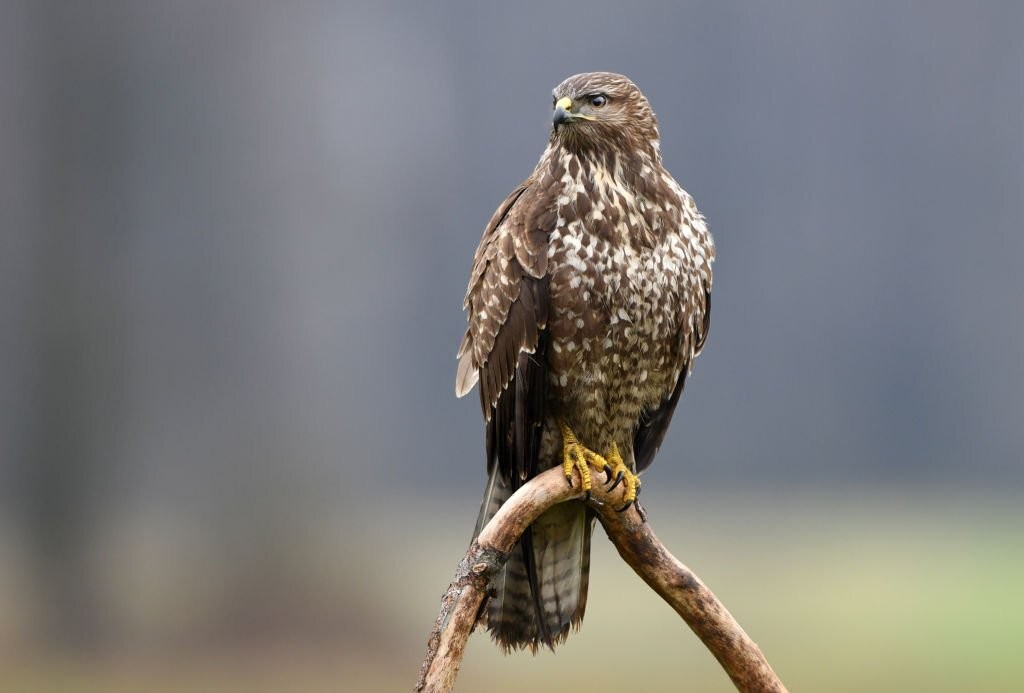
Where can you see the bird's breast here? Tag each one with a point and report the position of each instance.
(615, 308)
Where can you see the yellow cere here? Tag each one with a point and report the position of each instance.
(565, 103)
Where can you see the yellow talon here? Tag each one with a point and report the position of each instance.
(622, 474)
(576, 456)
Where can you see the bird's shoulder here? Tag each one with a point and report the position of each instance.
(516, 237)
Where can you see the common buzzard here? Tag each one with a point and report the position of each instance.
(588, 301)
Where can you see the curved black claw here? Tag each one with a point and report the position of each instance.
(568, 478)
(624, 508)
(586, 498)
(608, 471)
(618, 480)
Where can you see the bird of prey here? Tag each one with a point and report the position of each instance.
(588, 300)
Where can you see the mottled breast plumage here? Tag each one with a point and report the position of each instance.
(630, 271)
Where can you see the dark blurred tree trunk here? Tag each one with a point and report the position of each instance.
(62, 466)
(74, 363)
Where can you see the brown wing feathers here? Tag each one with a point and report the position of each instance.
(506, 315)
(505, 348)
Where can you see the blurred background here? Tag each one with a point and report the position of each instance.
(235, 240)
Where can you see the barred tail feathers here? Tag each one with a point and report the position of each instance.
(558, 543)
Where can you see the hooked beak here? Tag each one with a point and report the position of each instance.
(563, 113)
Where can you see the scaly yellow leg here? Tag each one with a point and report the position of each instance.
(622, 474)
(576, 456)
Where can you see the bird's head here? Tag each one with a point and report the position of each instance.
(601, 108)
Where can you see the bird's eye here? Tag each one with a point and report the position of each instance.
(598, 100)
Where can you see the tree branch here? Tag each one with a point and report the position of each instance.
(639, 547)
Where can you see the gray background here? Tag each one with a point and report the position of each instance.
(236, 236)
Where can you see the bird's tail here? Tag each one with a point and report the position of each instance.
(542, 590)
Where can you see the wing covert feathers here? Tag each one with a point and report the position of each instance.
(506, 298)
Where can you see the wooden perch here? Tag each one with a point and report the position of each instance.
(639, 547)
